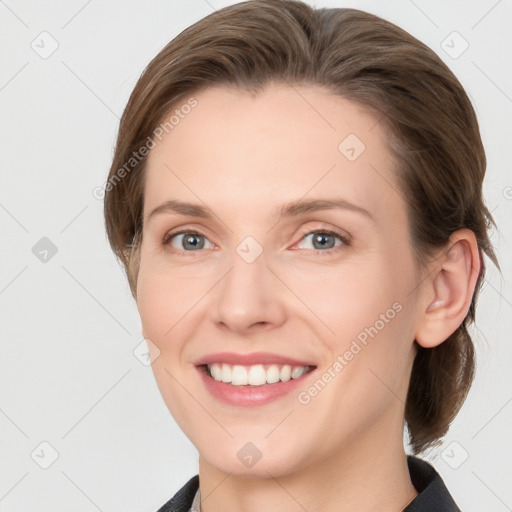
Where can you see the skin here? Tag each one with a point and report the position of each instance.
(243, 156)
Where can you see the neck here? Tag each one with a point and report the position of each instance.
(363, 475)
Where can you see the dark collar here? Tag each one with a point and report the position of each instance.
(182, 500)
(433, 495)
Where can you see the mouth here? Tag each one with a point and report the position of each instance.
(254, 375)
(252, 379)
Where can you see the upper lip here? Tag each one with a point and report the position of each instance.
(250, 359)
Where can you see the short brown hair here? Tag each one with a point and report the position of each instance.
(433, 134)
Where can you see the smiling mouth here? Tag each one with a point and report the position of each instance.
(255, 375)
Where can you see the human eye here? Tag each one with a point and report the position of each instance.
(186, 241)
(326, 239)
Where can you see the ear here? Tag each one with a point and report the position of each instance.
(448, 289)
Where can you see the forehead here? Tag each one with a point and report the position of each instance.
(261, 150)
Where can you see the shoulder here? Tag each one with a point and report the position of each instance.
(182, 500)
(433, 495)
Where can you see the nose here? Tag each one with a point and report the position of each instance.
(250, 297)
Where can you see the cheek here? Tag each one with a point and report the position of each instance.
(346, 298)
(366, 319)
(164, 302)
(165, 297)
(154, 307)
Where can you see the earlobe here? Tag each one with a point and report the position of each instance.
(448, 289)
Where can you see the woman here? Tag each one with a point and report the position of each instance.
(296, 197)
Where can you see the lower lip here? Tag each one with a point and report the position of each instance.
(249, 396)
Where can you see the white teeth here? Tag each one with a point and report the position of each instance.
(272, 374)
(239, 376)
(286, 373)
(255, 375)
(298, 371)
(226, 373)
(216, 371)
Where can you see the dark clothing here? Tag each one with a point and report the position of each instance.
(433, 495)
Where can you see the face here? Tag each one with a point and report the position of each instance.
(280, 303)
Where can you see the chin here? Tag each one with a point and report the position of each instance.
(249, 460)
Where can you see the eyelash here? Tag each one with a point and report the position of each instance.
(344, 239)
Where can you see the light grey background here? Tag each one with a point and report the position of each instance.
(68, 376)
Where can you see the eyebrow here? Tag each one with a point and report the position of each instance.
(292, 209)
